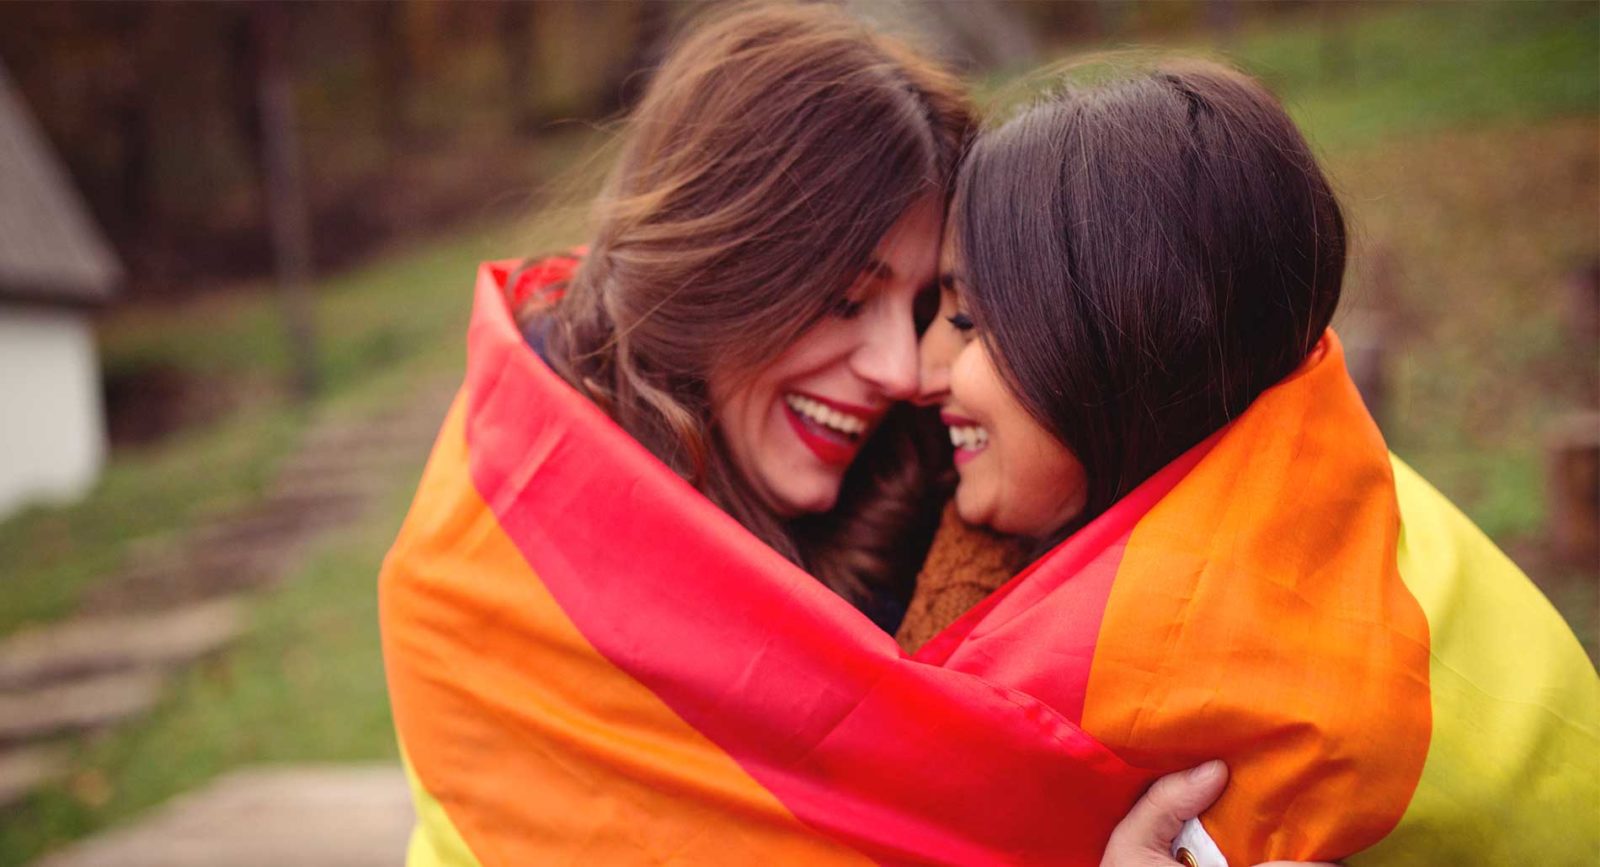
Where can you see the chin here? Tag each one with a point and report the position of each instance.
(808, 501)
(970, 510)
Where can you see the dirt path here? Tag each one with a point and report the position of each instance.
(316, 816)
(190, 597)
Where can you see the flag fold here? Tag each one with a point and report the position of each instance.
(590, 663)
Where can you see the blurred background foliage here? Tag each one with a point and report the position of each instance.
(1464, 138)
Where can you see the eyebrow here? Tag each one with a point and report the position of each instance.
(878, 269)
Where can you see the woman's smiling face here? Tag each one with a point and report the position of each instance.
(794, 426)
(1015, 476)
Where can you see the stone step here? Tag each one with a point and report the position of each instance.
(239, 552)
(202, 576)
(359, 452)
(262, 528)
(211, 565)
(80, 705)
(316, 816)
(313, 482)
(93, 645)
(374, 434)
(27, 768)
(318, 487)
(315, 489)
(323, 469)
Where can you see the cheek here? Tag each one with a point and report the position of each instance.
(971, 377)
(1032, 484)
(1045, 485)
(940, 345)
(737, 412)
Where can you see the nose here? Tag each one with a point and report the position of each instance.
(934, 354)
(888, 359)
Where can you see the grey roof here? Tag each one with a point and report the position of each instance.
(50, 248)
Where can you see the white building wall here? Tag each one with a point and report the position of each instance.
(52, 425)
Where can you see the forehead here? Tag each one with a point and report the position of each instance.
(913, 241)
(950, 262)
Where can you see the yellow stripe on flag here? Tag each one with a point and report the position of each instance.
(435, 842)
(1514, 761)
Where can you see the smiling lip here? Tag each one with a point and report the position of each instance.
(865, 413)
(830, 446)
(963, 454)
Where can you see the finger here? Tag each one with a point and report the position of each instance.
(1174, 799)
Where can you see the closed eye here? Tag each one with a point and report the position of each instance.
(961, 322)
(847, 308)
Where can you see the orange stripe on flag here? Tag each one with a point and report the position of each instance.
(569, 761)
(1258, 616)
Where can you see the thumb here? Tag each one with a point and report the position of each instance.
(1158, 816)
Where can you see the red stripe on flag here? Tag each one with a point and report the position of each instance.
(1063, 596)
(900, 759)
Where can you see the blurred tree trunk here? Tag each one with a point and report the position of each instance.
(625, 80)
(991, 34)
(127, 114)
(517, 38)
(284, 194)
(1113, 15)
(1056, 23)
(394, 77)
(1333, 56)
(971, 34)
(1222, 19)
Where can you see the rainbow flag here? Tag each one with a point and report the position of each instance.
(590, 663)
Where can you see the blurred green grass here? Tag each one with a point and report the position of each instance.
(236, 341)
(1462, 137)
(378, 327)
(1354, 74)
(52, 555)
(1464, 141)
(1485, 227)
(305, 685)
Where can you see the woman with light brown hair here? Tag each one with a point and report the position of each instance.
(745, 306)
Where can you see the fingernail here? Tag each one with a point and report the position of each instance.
(1206, 772)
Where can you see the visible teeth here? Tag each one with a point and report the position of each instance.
(969, 437)
(827, 416)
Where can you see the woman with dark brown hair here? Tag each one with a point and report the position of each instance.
(1135, 364)
(1193, 257)
(589, 664)
(1157, 317)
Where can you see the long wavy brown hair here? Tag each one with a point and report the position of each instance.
(772, 151)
